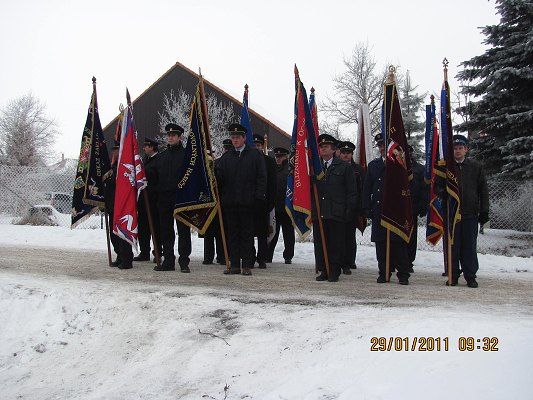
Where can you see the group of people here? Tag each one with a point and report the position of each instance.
(252, 186)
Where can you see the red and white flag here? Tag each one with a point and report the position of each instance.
(130, 180)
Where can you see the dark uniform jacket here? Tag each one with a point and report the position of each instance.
(337, 192)
(165, 174)
(418, 187)
(473, 187)
(282, 171)
(373, 197)
(241, 179)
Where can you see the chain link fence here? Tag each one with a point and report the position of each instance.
(44, 196)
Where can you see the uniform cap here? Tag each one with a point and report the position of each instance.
(280, 151)
(173, 129)
(460, 140)
(346, 146)
(326, 139)
(237, 129)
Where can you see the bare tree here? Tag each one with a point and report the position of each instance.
(27, 134)
(361, 82)
(177, 109)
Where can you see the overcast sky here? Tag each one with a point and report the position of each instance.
(53, 48)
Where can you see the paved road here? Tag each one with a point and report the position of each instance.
(294, 284)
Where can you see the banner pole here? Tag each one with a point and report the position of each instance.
(151, 225)
(387, 258)
(106, 217)
(321, 226)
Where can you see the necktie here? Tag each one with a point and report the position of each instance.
(325, 166)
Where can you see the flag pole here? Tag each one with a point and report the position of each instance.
(106, 217)
(217, 197)
(387, 257)
(317, 203)
(152, 230)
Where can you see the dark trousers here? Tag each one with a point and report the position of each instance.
(283, 222)
(464, 248)
(168, 235)
(350, 244)
(334, 232)
(411, 248)
(261, 222)
(144, 226)
(241, 236)
(120, 246)
(212, 236)
(399, 259)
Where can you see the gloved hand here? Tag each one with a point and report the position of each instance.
(422, 213)
(483, 218)
(366, 213)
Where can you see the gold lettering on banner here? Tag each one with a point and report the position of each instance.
(192, 162)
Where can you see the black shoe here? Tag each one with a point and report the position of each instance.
(125, 266)
(411, 270)
(403, 281)
(232, 271)
(163, 267)
(321, 278)
(246, 271)
(262, 264)
(336, 279)
(381, 279)
(142, 257)
(221, 262)
(455, 281)
(444, 274)
(269, 261)
(288, 261)
(185, 269)
(346, 271)
(115, 263)
(472, 283)
(207, 262)
(353, 266)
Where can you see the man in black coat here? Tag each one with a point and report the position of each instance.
(166, 175)
(241, 178)
(283, 221)
(474, 209)
(262, 211)
(419, 199)
(337, 194)
(150, 150)
(346, 150)
(120, 246)
(372, 200)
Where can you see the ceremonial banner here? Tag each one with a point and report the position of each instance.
(304, 162)
(434, 220)
(245, 119)
(446, 166)
(93, 167)
(363, 141)
(195, 198)
(314, 112)
(130, 180)
(396, 211)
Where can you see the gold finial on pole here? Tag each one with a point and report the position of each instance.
(445, 63)
(121, 108)
(390, 78)
(432, 99)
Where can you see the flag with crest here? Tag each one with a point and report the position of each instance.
(396, 211)
(245, 119)
(434, 219)
(93, 167)
(195, 198)
(131, 180)
(304, 162)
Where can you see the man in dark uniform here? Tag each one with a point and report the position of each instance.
(337, 194)
(262, 210)
(372, 199)
(150, 150)
(241, 178)
(212, 234)
(120, 246)
(419, 199)
(166, 175)
(346, 150)
(474, 209)
(283, 221)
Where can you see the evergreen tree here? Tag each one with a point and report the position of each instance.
(501, 121)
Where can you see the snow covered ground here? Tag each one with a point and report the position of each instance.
(68, 338)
